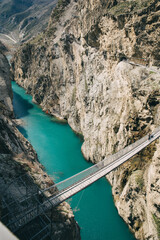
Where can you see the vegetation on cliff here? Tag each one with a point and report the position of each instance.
(131, 7)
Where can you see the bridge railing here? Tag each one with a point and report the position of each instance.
(72, 180)
(69, 182)
(21, 202)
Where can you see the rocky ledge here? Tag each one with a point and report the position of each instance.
(18, 158)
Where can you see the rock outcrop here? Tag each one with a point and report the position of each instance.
(17, 157)
(75, 71)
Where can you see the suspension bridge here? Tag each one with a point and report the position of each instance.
(34, 202)
(78, 182)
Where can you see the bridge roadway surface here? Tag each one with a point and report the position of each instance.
(78, 182)
(103, 168)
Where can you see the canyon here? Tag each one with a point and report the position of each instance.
(85, 69)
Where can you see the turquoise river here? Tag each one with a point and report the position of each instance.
(59, 150)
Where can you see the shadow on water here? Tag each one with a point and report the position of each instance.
(23, 131)
(21, 105)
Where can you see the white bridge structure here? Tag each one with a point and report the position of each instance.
(33, 202)
(78, 182)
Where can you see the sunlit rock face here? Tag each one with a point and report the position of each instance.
(75, 70)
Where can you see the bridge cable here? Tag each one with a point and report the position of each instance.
(76, 208)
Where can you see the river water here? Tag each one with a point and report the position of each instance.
(59, 150)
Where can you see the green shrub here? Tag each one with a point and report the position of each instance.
(73, 98)
(139, 179)
(129, 6)
(151, 72)
(37, 39)
(157, 222)
(59, 9)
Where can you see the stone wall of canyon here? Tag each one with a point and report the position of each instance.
(74, 72)
(18, 158)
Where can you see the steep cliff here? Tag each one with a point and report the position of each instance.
(18, 158)
(75, 71)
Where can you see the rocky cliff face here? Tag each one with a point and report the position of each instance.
(74, 71)
(17, 157)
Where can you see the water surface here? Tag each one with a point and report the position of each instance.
(59, 150)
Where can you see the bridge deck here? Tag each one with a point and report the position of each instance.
(74, 184)
(104, 169)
